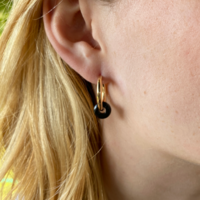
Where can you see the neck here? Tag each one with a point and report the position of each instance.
(133, 169)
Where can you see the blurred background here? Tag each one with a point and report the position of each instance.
(5, 6)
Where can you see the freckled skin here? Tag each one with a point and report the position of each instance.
(152, 54)
(148, 51)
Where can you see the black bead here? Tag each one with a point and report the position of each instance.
(105, 114)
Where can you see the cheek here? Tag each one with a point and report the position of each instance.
(164, 99)
(157, 65)
(158, 60)
(170, 83)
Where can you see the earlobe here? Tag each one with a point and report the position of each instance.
(70, 35)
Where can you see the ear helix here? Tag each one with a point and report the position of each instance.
(102, 109)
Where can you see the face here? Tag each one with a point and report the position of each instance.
(151, 50)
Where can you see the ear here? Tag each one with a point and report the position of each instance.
(68, 27)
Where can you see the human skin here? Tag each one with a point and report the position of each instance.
(148, 52)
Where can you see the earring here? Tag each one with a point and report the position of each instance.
(102, 109)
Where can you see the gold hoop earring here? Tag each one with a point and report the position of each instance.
(102, 109)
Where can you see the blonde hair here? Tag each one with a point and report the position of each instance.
(50, 137)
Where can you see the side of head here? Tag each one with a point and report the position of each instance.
(48, 129)
(148, 53)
